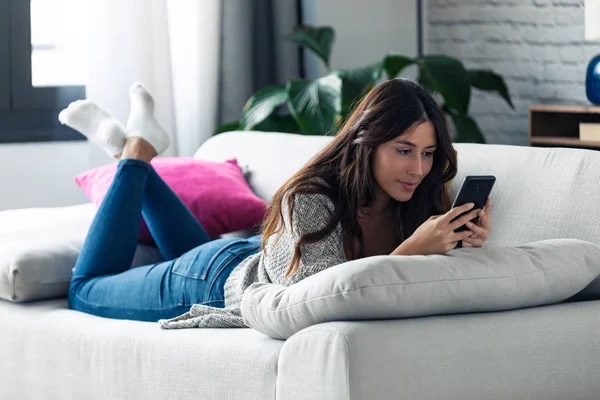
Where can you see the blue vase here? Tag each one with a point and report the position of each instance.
(592, 80)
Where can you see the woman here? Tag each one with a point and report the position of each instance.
(378, 188)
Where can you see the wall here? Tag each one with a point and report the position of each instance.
(537, 45)
(33, 175)
(365, 30)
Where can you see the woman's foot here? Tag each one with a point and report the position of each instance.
(96, 124)
(142, 123)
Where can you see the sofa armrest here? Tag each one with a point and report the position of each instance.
(537, 353)
(39, 248)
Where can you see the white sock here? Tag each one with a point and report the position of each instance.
(96, 124)
(141, 121)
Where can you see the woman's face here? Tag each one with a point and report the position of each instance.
(401, 164)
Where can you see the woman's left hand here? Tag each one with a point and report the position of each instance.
(480, 230)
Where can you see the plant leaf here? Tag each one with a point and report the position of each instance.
(262, 104)
(278, 123)
(356, 83)
(425, 81)
(449, 77)
(490, 81)
(228, 127)
(467, 130)
(316, 105)
(317, 39)
(394, 63)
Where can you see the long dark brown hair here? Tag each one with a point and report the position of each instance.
(344, 166)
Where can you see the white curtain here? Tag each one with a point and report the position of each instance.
(170, 46)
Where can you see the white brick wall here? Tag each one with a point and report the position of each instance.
(536, 45)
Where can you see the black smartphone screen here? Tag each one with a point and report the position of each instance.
(474, 189)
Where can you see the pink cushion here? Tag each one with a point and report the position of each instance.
(216, 193)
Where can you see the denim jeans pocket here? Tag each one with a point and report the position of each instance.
(197, 262)
(207, 267)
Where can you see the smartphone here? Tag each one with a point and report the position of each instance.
(474, 189)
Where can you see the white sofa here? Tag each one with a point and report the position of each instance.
(549, 352)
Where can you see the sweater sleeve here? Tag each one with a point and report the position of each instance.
(311, 213)
(202, 316)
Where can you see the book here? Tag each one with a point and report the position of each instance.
(589, 132)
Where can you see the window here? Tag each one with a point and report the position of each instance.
(58, 46)
(42, 67)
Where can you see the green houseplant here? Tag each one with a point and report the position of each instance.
(317, 107)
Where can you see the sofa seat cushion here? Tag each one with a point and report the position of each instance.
(71, 355)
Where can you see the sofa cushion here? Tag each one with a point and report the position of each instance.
(50, 352)
(216, 193)
(39, 247)
(462, 281)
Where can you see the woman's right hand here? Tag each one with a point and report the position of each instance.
(436, 235)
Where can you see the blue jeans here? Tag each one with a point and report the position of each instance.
(103, 283)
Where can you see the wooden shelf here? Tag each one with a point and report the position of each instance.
(563, 142)
(564, 109)
(558, 126)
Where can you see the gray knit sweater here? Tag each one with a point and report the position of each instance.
(311, 213)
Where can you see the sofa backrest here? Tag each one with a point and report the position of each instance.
(270, 158)
(540, 193)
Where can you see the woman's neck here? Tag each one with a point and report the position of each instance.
(382, 205)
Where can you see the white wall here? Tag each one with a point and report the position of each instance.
(41, 174)
(366, 30)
